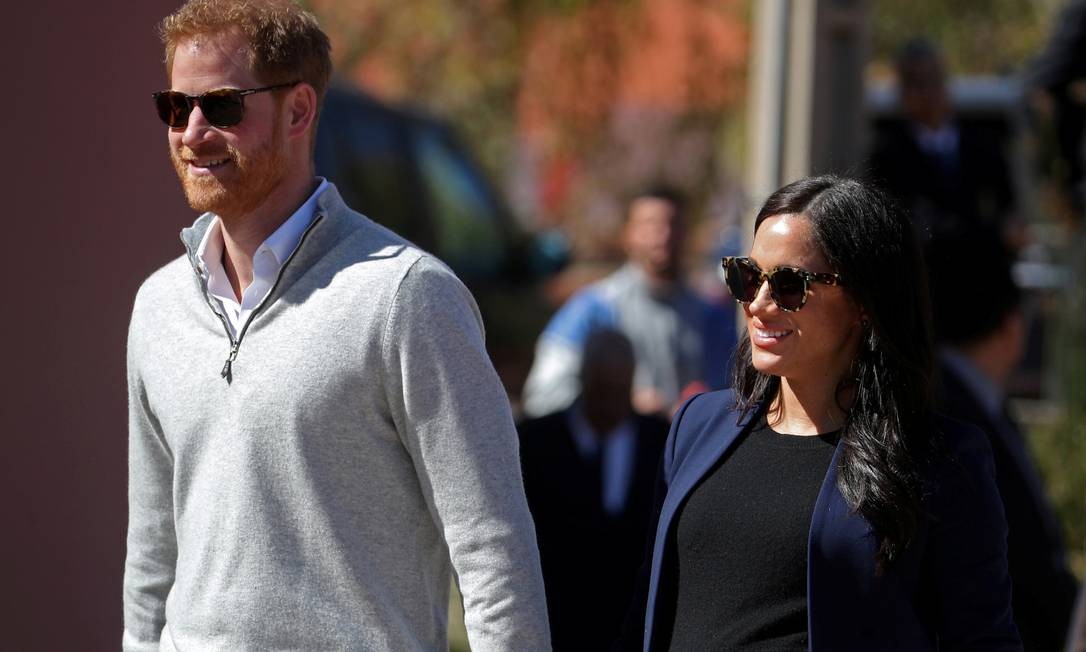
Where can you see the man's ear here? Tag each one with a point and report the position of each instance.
(302, 110)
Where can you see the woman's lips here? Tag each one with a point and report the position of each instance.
(767, 337)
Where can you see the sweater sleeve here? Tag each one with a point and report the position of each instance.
(152, 546)
(453, 416)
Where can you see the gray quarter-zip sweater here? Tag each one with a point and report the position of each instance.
(317, 492)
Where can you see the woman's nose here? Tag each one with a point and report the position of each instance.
(763, 300)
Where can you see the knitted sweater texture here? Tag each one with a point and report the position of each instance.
(359, 451)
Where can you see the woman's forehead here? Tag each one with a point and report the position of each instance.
(786, 239)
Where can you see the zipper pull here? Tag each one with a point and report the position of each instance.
(226, 368)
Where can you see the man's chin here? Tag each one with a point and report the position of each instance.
(663, 270)
(208, 195)
(226, 204)
(205, 200)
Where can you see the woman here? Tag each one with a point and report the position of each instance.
(819, 505)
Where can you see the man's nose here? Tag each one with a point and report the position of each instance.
(198, 129)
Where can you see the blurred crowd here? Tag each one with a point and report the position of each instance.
(623, 353)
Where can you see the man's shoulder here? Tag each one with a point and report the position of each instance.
(360, 234)
(353, 235)
(954, 397)
(625, 280)
(590, 308)
(425, 297)
(961, 439)
(164, 282)
(427, 274)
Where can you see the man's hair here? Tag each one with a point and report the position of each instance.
(285, 42)
(661, 192)
(973, 291)
(914, 51)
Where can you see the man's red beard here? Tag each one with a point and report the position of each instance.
(243, 185)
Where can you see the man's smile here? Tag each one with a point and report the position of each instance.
(207, 164)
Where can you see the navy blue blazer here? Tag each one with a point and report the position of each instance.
(949, 590)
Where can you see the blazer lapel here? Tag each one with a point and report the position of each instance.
(702, 457)
(720, 433)
(840, 567)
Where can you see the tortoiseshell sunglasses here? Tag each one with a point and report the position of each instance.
(787, 285)
(223, 107)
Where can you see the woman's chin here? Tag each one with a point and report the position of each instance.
(766, 363)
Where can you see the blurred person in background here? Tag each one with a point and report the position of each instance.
(979, 325)
(947, 173)
(680, 341)
(820, 504)
(317, 438)
(1058, 78)
(1076, 637)
(588, 475)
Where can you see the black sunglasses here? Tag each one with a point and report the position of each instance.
(787, 285)
(223, 107)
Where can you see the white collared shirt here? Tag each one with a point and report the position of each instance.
(941, 142)
(619, 447)
(267, 261)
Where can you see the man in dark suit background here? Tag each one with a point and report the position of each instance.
(1057, 83)
(979, 323)
(589, 474)
(948, 173)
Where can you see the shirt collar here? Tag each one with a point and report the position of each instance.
(658, 291)
(943, 139)
(209, 253)
(585, 437)
(281, 243)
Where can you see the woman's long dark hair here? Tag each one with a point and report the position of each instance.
(887, 436)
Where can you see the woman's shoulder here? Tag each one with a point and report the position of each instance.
(707, 408)
(704, 419)
(705, 404)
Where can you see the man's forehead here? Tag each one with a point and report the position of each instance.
(214, 54)
(230, 44)
(651, 207)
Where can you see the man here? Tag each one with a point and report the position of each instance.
(979, 322)
(1056, 82)
(680, 342)
(950, 174)
(589, 472)
(317, 438)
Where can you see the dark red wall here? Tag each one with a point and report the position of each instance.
(91, 207)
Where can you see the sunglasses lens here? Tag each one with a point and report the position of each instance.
(222, 108)
(789, 289)
(742, 279)
(173, 108)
